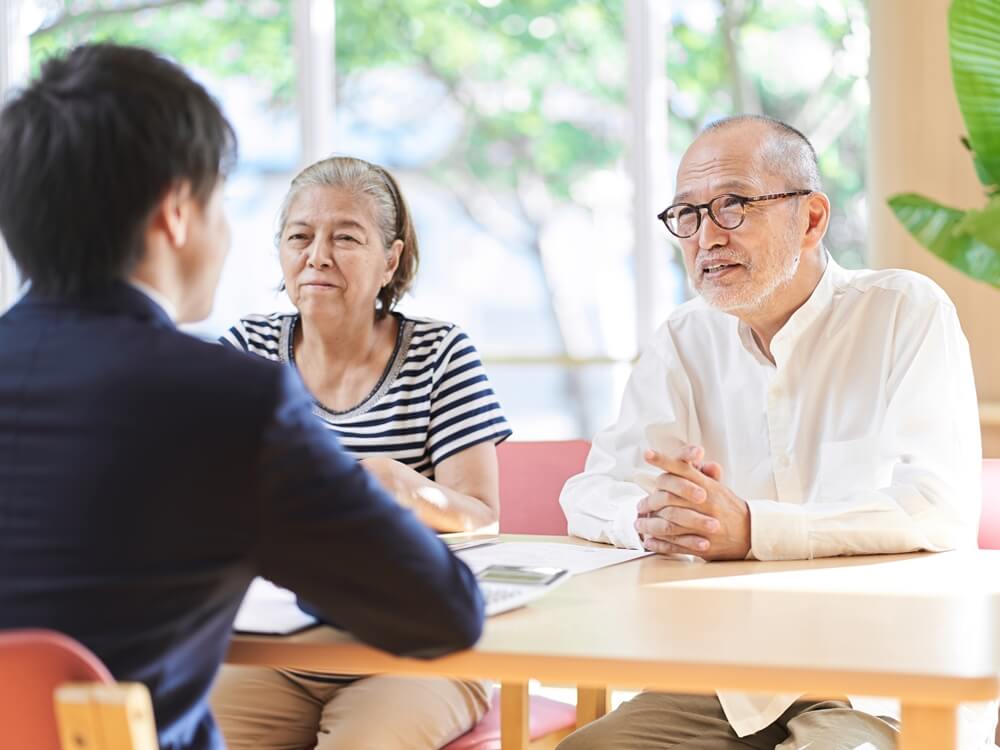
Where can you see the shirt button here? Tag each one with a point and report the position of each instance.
(781, 461)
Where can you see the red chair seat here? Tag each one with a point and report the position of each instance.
(545, 716)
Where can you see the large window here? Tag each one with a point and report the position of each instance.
(511, 125)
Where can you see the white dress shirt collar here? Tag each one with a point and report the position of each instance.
(834, 277)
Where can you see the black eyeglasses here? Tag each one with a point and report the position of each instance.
(727, 211)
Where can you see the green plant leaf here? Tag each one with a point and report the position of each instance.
(983, 225)
(939, 228)
(974, 32)
(984, 176)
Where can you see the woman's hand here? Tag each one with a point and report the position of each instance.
(465, 497)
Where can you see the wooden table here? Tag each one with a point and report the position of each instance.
(924, 628)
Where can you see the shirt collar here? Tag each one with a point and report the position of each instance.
(157, 297)
(784, 340)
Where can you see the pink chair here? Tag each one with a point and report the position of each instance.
(989, 521)
(549, 722)
(532, 475)
(54, 693)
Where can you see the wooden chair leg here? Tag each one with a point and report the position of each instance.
(105, 717)
(591, 704)
(514, 715)
(929, 727)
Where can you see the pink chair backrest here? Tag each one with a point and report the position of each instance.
(532, 475)
(989, 521)
(33, 663)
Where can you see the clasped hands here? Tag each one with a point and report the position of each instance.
(690, 511)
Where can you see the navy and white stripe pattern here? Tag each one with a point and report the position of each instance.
(432, 401)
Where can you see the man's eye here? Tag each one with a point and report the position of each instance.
(730, 201)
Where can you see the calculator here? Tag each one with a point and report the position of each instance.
(507, 587)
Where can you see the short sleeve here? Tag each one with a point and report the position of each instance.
(464, 410)
(257, 334)
(236, 337)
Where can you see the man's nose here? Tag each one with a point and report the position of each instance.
(710, 234)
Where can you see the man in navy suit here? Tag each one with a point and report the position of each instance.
(145, 476)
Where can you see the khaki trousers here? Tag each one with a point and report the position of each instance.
(270, 709)
(665, 721)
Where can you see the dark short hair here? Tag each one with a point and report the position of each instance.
(87, 151)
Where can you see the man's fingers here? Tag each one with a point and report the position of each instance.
(712, 470)
(683, 488)
(683, 464)
(685, 545)
(675, 521)
(691, 520)
(652, 503)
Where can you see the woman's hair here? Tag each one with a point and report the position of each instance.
(392, 216)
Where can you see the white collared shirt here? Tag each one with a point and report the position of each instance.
(862, 437)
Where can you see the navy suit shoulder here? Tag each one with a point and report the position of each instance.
(147, 476)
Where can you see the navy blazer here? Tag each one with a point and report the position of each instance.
(147, 476)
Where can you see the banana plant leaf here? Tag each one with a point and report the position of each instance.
(974, 32)
(983, 225)
(953, 237)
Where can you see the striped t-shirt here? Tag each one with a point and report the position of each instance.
(432, 401)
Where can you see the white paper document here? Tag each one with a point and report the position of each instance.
(574, 558)
(270, 610)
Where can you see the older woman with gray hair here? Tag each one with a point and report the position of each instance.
(409, 398)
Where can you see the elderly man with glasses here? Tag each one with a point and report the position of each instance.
(793, 409)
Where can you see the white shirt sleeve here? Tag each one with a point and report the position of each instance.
(600, 504)
(932, 499)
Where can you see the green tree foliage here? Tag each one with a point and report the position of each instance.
(226, 38)
(507, 64)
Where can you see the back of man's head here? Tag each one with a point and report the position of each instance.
(87, 151)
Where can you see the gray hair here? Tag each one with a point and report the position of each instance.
(786, 153)
(392, 215)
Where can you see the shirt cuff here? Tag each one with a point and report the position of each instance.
(623, 527)
(778, 531)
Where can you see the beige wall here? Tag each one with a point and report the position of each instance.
(915, 130)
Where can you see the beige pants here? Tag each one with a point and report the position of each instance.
(268, 709)
(663, 721)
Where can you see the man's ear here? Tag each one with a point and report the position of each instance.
(172, 213)
(818, 213)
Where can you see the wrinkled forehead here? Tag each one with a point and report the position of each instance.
(725, 161)
(313, 203)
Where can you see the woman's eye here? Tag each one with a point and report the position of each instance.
(296, 237)
(347, 238)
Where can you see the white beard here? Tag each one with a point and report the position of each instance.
(750, 297)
